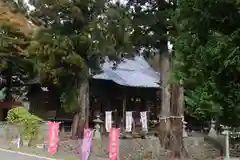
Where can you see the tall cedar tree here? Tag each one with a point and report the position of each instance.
(76, 37)
(152, 26)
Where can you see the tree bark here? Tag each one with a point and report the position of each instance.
(75, 125)
(80, 119)
(177, 109)
(170, 129)
(165, 124)
(165, 75)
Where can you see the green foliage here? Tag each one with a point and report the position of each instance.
(207, 57)
(150, 25)
(14, 39)
(200, 103)
(11, 40)
(12, 48)
(29, 123)
(205, 37)
(69, 98)
(14, 32)
(75, 37)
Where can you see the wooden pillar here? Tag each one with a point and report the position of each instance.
(1, 115)
(86, 96)
(9, 81)
(147, 104)
(124, 108)
(108, 104)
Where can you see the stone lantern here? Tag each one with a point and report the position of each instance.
(212, 132)
(98, 122)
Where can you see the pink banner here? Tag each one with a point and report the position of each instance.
(86, 144)
(114, 144)
(53, 129)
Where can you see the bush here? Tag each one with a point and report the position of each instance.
(28, 122)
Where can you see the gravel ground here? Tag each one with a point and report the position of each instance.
(199, 149)
(130, 149)
(136, 149)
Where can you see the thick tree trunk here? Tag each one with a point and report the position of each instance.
(177, 109)
(80, 119)
(165, 75)
(170, 129)
(165, 124)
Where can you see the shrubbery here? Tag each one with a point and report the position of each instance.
(28, 122)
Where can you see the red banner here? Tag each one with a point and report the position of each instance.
(114, 144)
(53, 129)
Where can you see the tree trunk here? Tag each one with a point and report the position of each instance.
(170, 129)
(177, 109)
(165, 75)
(165, 124)
(75, 125)
(80, 119)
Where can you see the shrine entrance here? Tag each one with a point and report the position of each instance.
(108, 96)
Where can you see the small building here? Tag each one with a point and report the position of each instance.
(132, 85)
